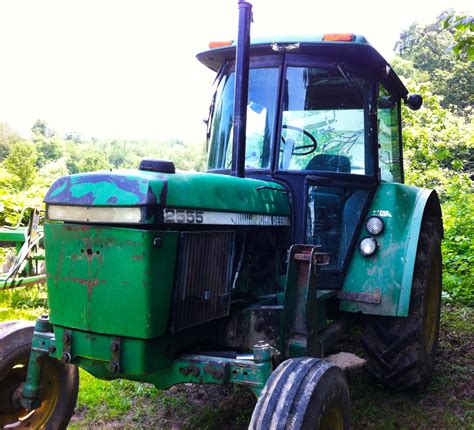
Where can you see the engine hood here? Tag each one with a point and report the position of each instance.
(204, 191)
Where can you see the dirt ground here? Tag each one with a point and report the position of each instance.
(448, 402)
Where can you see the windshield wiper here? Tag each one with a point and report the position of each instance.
(352, 82)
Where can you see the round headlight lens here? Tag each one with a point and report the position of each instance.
(374, 225)
(368, 246)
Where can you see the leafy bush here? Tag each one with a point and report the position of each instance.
(12, 203)
(21, 164)
(458, 246)
(438, 154)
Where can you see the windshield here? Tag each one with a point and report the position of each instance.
(323, 122)
(262, 100)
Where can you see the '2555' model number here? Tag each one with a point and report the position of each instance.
(183, 216)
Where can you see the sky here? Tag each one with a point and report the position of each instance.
(127, 68)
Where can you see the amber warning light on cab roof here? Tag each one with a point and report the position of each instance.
(339, 37)
(220, 44)
(328, 37)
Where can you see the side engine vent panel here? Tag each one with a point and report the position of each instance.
(204, 272)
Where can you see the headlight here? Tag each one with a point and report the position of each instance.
(368, 246)
(374, 225)
(95, 214)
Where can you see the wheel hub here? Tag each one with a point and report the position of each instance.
(12, 415)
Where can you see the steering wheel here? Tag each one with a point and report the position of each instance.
(302, 149)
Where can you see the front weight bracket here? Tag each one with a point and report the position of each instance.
(42, 345)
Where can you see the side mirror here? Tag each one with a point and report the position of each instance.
(414, 101)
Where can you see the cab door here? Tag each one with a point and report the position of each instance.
(326, 154)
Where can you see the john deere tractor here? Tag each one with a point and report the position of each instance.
(247, 274)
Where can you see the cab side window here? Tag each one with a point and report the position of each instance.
(389, 137)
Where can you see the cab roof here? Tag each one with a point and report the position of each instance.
(358, 52)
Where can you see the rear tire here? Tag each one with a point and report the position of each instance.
(59, 382)
(401, 350)
(303, 393)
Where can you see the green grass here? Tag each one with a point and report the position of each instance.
(448, 401)
(447, 404)
(26, 303)
(104, 401)
(127, 404)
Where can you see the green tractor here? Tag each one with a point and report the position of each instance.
(247, 274)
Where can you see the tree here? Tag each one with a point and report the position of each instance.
(73, 136)
(462, 28)
(49, 150)
(8, 136)
(21, 164)
(41, 128)
(118, 153)
(48, 145)
(93, 161)
(428, 48)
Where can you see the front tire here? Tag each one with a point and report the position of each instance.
(303, 393)
(401, 350)
(59, 383)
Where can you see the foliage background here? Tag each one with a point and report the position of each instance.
(438, 145)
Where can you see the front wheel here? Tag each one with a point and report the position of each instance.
(59, 383)
(303, 393)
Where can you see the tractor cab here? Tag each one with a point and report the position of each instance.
(323, 120)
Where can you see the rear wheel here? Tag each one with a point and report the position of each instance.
(59, 383)
(303, 393)
(401, 351)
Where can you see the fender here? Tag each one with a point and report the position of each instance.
(381, 284)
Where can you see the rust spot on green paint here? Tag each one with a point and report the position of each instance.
(131, 243)
(80, 228)
(90, 283)
(372, 271)
(91, 292)
(90, 287)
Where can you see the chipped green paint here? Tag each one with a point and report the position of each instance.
(110, 280)
(104, 189)
(138, 357)
(178, 190)
(118, 188)
(390, 270)
(150, 361)
(60, 188)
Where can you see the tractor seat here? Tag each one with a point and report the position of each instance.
(330, 163)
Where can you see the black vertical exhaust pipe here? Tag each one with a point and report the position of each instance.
(241, 89)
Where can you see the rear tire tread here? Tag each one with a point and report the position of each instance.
(395, 346)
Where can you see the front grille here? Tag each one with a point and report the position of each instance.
(204, 272)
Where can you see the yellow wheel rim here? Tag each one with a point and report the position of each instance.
(50, 388)
(430, 325)
(332, 420)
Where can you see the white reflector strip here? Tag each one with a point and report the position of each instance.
(189, 216)
(117, 215)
